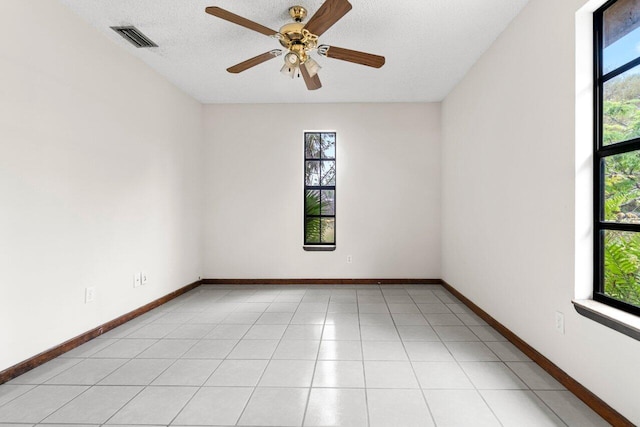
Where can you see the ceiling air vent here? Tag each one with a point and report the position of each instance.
(134, 36)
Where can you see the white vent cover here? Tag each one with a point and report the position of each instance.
(134, 36)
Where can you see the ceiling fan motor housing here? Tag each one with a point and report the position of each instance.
(297, 39)
(292, 33)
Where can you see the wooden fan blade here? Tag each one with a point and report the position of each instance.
(329, 13)
(245, 65)
(239, 20)
(312, 83)
(375, 61)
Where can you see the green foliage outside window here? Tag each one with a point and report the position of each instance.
(621, 109)
(314, 205)
(622, 265)
(621, 122)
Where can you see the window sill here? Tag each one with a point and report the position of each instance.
(319, 248)
(610, 317)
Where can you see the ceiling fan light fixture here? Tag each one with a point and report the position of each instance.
(289, 70)
(291, 65)
(292, 59)
(312, 66)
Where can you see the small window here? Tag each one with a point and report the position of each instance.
(319, 190)
(617, 155)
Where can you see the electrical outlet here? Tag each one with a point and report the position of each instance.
(137, 280)
(144, 279)
(89, 294)
(560, 322)
(349, 259)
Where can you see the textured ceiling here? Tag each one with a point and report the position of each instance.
(429, 45)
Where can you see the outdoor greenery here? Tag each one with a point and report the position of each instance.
(319, 230)
(621, 108)
(621, 122)
(312, 206)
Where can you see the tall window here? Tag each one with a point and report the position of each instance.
(617, 155)
(320, 190)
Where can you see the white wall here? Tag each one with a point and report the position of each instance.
(388, 191)
(100, 177)
(509, 190)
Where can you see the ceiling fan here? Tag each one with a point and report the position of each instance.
(300, 39)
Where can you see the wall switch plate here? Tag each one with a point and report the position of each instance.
(560, 322)
(144, 278)
(89, 294)
(137, 280)
(349, 259)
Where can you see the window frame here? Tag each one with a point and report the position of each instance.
(600, 152)
(319, 246)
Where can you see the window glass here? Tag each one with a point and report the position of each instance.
(617, 156)
(622, 266)
(312, 173)
(312, 232)
(328, 145)
(328, 173)
(328, 230)
(312, 202)
(622, 188)
(312, 146)
(328, 204)
(320, 188)
(621, 107)
(621, 34)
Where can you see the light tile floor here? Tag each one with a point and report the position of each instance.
(292, 356)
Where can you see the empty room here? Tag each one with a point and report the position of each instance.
(319, 213)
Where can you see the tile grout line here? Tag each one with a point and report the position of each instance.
(31, 387)
(475, 388)
(265, 368)
(122, 407)
(261, 375)
(529, 389)
(415, 375)
(315, 364)
(364, 371)
(198, 388)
